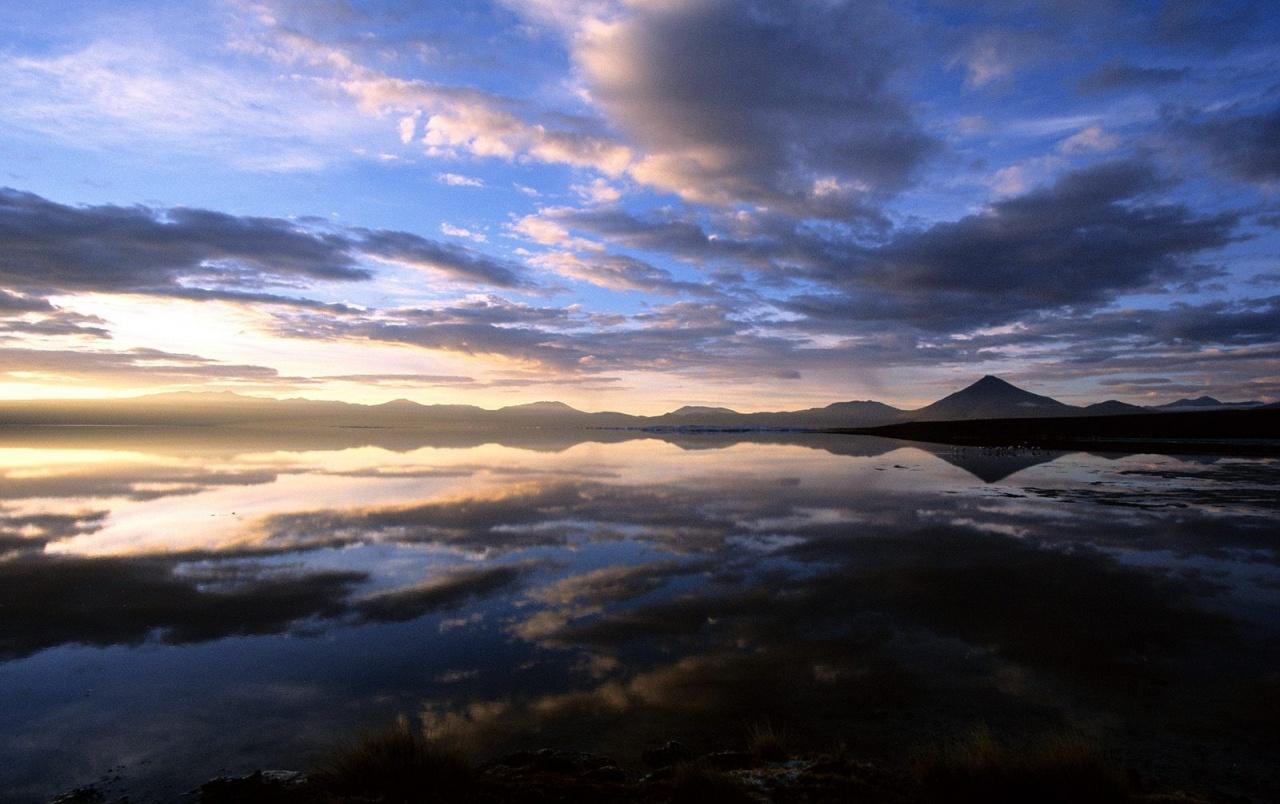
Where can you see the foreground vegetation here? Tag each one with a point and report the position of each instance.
(399, 765)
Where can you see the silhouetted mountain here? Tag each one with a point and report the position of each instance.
(1113, 407)
(991, 398)
(702, 410)
(400, 404)
(540, 409)
(1206, 403)
(988, 398)
(1198, 402)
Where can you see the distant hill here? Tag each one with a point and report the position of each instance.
(1198, 402)
(838, 414)
(540, 409)
(1205, 403)
(701, 410)
(988, 398)
(1113, 407)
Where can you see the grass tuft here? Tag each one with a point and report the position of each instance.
(767, 743)
(1059, 769)
(398, 765)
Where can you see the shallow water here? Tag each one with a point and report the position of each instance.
(175, 605)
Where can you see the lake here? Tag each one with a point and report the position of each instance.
(176, 605)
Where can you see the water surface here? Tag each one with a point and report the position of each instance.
(177, 605)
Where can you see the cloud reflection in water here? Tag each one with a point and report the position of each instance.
(845, 589)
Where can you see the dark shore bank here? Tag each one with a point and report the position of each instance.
(399, 766)
(1223, 432)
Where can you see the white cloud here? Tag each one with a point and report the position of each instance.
(408, 127)
(145, 97)
(541, 229)
(459, 180)
(1092, 138)
(599, 191)
(458, 231)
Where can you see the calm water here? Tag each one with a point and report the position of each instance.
(176, 605)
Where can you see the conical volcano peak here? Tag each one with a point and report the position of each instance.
(992, 397)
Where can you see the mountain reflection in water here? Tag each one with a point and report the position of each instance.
(187, 603)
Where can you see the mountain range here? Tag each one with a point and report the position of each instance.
(988, 398)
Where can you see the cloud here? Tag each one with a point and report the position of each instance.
(130, 366)
(617, 272)
(137, 483)
(17, 303)
(1240, 144)
(22, 315)
(1093, 138)
(457, 120)
(446, 258)
(458, 231)
(447, 590)
(55, 600)
(142, 96)
(747, 103)
(458, 180)
(991, 56)
(1118, 75)
(599, 191)
(48, 247)
(1079, 243)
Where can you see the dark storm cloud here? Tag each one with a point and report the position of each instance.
(1094, 234)
(51, 245)
(1241, 144)
(46, 247)
(1079, 243)
(1236, 322)
(732, 102)
(1121, 75)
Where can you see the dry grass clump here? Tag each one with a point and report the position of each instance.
(767, 743)
(1059, 769)
(398, 764)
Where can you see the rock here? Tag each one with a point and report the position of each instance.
(730, 760)
(548, 761)
(606, 773)
(259, 787)
(671, 753)
(81, 795)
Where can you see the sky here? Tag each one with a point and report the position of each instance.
(640, 204)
